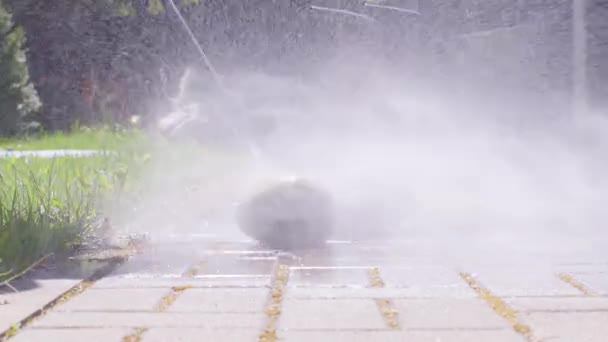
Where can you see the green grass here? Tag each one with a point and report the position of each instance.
(51, 205)
(47, 205)
(81, 139)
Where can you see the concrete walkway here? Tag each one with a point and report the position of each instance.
(214, 290)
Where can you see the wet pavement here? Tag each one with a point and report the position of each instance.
(206, 289)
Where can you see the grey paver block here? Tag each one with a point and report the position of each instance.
(409, 336)
(192, 334)
(157, 264)
(115, 300)
(331, 277)
(569, 327)
(427, 281)
(526, 282)
(199, 282)
(231, 264)
(71, 335)
(138, 319)
(597, 283)
(221, 300)
(331, 314)
(559, 303)
(362, 293)
(22, 304)
(584, 268)
(447, 313)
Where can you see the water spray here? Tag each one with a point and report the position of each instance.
(291, 213)
(343, 12)
(201, 51)
(391, 8)
(216, 77)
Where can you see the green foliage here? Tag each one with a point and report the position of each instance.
(78, 139)
(124, 9)
(155, 7)
(50, 205)
(17, 95)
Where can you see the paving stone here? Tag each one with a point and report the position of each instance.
(157, 264)
(427, 281)
(582, 268)
(22, 304)
(134, 320)
(336, 262)
(569, 327)
(198, 282)
(115, 300)
(362, 293)
(71, 335)
(329, 277)
(410, 336)
(234, 264)
(221, 300)
(526, 282)
(328, 297)
(191, 334)
(597, 283)
(447, 313)
(559, 304)
(331, 314)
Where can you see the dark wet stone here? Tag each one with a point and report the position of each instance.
(288, 215)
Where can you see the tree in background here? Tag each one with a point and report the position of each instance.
(103, 61)
(18, 99)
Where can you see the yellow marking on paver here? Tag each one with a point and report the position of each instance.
(387, 308)
(170, 298)
(166, 301)
(570, 280)
(136, 336)
(273, 308)
(499, 306)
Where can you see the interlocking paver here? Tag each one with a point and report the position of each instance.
(427, 281)
(233, 264)
(149, 319)
(121, 300)
(450, 313)
(221, 300)
(329, 296)
(330, 314)
(559, 304)
(329, 277)
(524, 281)
(409, 336)
(362, 293)
(72, 335)
(596, 282)
(193, 334)
(22, 304)
(204, 281)
(570, 327)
